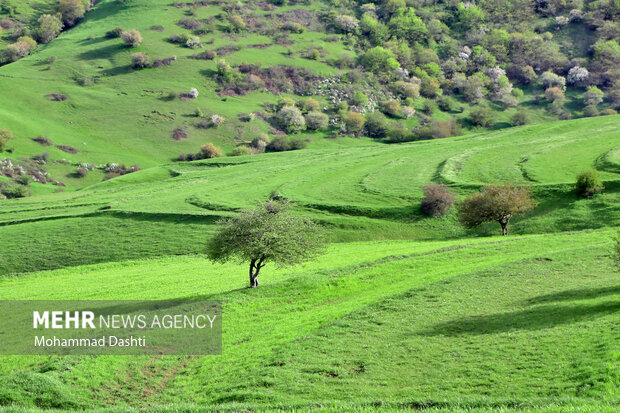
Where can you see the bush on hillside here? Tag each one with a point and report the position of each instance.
(437, 200)
(114, 33)
(209, 151)
(588, 183)
(519, 118)
(241, 151)
(317, 121)
(132, 38)
(49, 28)
(72, 11)
(291, 119)
(140, 60)
(354, 123)
(5, 135)
(482, 116)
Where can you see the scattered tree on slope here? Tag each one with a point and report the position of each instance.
(267, 233)
(495, 203)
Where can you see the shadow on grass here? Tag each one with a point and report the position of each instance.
(105, 52)
(575, 294)
(532, 319)
(119, 70)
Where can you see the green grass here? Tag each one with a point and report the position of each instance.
(398, 321)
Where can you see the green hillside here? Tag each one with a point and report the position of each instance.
(114, 175)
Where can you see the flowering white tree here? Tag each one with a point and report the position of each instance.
(577, 75)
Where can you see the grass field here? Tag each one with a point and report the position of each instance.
(402, 312)
(472, 321)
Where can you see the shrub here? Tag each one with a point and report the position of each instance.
(67, 148)
(21, 48)
(159, 62)
(189, 23)
(590, 111)
(241, 151)
(291, 119)
(408, 112)
(292, 27)
(550, 79)
(5, 135)
(447, 104)
(429, 107)
(71, 10)
(179, 133)
(259, 143)
(439, 129)
(554, 94)
(15, 191)
(297, 143)
(397, 133)
(49, 28)
(391, 108)
(278, 144)
(354, 123)
(206, 55)
(217, 120)
(247, 117)
(437, 200)
(346, 24)
(379, 59)
(593, 96)
(482, 116)
(193, 42)
(309, 105)
(376, 125)
(520, 118)
(237, 23)
(317, 121)
(114, 33)
(56, 97)
(81, 172)
(42, 140)
(588, 183)
(140, 60)
(209, 151)
(132, 38)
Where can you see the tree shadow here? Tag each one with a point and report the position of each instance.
(532, 319)
(105, 52)
(94, 40)
(119, 70)
(575, 294)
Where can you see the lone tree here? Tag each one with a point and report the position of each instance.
(495, 203)
(267, 233)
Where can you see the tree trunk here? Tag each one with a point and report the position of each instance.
(504, 223)
(253, 274)
(255, 267)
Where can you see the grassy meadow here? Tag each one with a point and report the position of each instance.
(401, 312)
